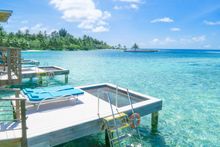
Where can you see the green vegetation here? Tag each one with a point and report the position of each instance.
(57, 40)
(135, 46)
(120, 47)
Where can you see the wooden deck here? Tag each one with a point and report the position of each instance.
(31, 72)
(10, 66)
(4, 79)
(30, 62)
(57, 123)
(39, 72)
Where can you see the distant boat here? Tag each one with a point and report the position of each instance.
(141, 50)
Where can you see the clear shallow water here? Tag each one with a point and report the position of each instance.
(116, 96)
(188, 82)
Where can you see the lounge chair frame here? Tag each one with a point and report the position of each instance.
(50, 100)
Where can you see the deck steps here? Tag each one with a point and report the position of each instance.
(117, 116)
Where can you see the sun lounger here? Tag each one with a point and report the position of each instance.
(58, 93)
(47, 89)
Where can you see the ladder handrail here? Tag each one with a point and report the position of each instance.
(129, 98)
(116, 97)
(113, 115)
(132, 109)
(98, 91)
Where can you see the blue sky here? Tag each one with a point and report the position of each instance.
(150, 23)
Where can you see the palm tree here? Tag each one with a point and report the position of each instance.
(135, 47)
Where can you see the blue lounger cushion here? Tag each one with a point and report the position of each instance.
(67, 92)
(53, 95)
(39, 97)
(58, 88)
(29, 90)
(48, 89)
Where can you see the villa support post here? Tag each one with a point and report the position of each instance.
(154, 121)
(23, 124)
(41, 80)
(107, 140)
(66, 78)
(31, 79)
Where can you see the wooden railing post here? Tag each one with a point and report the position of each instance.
(20, 106)
(19, 66)
(9, 65)
(23, 124)
(17, 105)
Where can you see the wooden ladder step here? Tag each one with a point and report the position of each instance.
(120, 138)
(113, 129)
(117, 116)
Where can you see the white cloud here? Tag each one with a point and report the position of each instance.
(199, 38)
(163, 41)
(212, 23)
(207, 46)
(131, 6)
(23, 29)
(155, 40)
(130, 1)
(118, 7)
(24, 21)
(175, 29)
(134, 6)
(162, 20)
(37, 28)
(83, 12)
(100, 29)
(199, 41)
(193, 40)
(187, 41)
(169, 40)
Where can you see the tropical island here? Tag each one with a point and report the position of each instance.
(57, 40)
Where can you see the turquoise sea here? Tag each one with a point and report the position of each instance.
(188, 82)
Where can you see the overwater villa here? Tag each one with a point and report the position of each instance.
(50, 116)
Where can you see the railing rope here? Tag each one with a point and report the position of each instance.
(20, 113)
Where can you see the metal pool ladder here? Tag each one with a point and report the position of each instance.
(114, 125)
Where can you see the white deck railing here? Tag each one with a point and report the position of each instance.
(19, 115)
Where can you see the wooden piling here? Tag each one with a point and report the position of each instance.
(41, 80)
(23, 124)
(154, 121)
(107, 143)
(66, 78)
(31, 79)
